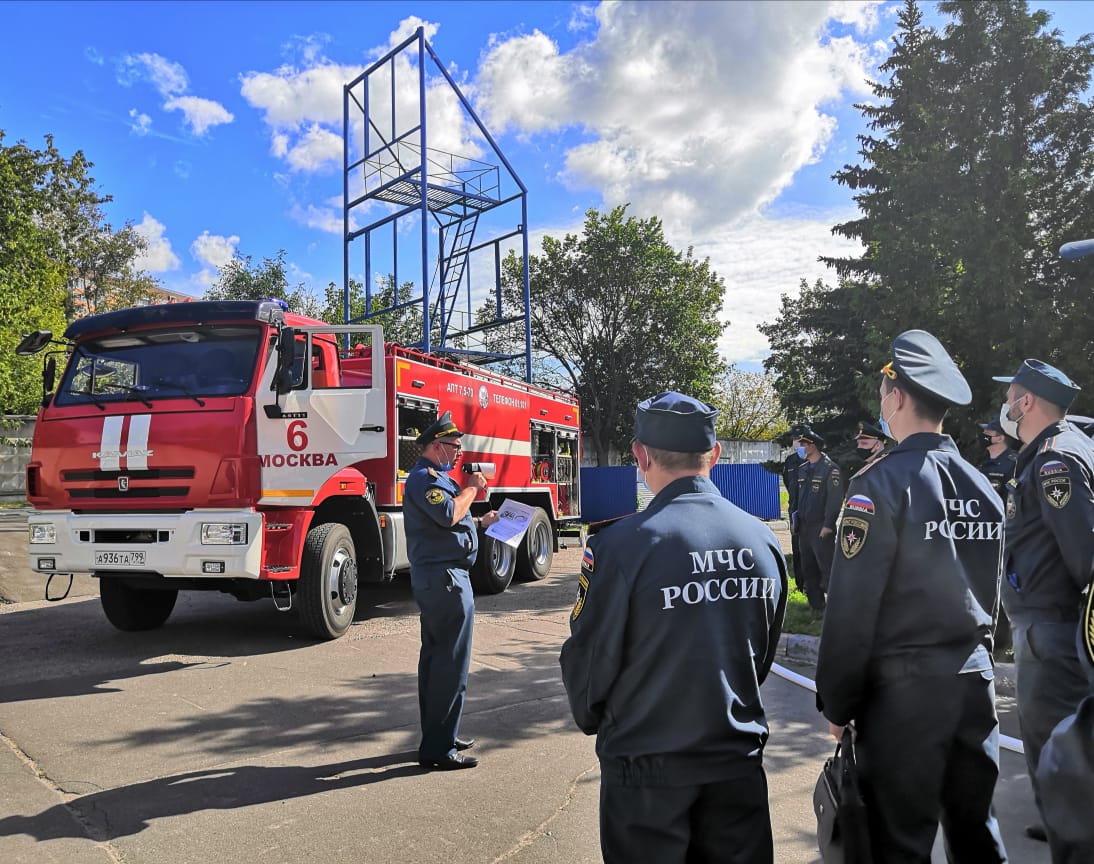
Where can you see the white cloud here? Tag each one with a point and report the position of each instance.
(212, 251)
(200, 114)
(171, 82)
(315, 149)
(760, 259)
(141, 122)
(158, 257)
(327, 218)
(168, 77)
(700, 112)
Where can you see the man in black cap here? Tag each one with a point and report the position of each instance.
(1002, 459)
(869, 443)
(442, 543)
(820, 493)
(905, 652)
(677, 620)
(1049, 553)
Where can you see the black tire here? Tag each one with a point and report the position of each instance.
(133, 609)
(327, 592)
(493, 570)
(537, 549)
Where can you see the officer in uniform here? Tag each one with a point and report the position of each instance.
(676, 624)
(442, 542)
(1065, 771)
(869, 443)
(1049, 554)
(820, 493)
(1002, 460)
(905, 651)
(790, 480)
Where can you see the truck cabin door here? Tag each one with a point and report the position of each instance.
(332, 417)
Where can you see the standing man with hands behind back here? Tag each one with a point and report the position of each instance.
(1049, 555)
(676, 624)
(820, 493)
(443, 542)
(905, 652)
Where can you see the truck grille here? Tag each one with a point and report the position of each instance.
(138, 485)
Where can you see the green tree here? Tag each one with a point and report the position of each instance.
(402, 325)
(39, 192)
(748, 406)
(978, 164)
(623, 316)
(240, 279)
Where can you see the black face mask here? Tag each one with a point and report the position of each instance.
(865, 452)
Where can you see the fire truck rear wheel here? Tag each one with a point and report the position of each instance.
(327, 593)
(493, 570)
(133, 609)
(537, 549)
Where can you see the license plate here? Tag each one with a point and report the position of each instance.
(119, 559)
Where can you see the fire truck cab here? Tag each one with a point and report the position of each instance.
(236, 447)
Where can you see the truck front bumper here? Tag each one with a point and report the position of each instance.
(170, 544)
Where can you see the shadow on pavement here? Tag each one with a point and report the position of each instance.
(128, 810)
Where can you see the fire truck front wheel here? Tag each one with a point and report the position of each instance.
(132, 609)
(327, 593)
(537, 549)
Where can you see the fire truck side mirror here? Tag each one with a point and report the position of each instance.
(286, 353)
(34, 342)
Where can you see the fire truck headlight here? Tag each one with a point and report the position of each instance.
(223, 534)
(42, 532)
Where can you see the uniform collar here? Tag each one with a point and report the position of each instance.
(1029, 450)
(925, 441)
(682, 486)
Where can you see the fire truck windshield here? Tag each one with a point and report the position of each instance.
(161, 364)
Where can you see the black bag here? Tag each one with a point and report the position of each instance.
(843, 835)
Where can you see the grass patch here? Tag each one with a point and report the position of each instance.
(799, 617)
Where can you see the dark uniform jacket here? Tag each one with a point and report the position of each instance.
(915, 580)
(1000, 470)
(676, 624)
(1050, 526)
(790, 479)
(820, 492)
(432, 540)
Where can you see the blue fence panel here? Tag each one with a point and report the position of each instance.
(751, 487)
(613, 491)
(608, 492)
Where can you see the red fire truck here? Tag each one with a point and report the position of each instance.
(233, 446)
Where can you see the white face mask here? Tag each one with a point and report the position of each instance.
(883, 424)
(1010, 427)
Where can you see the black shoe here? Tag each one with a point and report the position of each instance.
(464, 745)
(1036, 832)
(449, 763)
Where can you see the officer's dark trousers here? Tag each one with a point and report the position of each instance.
(728, 821)
(1051, 682)
(795, 550)
(448, 615)
(928, 748)
(816, 562)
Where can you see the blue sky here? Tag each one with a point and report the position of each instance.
(216, 127)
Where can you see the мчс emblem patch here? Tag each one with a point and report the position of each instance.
(852, 535)
(1012, 503)
(1055, 483)
(434, 496)
(582, 587)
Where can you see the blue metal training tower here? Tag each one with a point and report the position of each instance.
(421, 219)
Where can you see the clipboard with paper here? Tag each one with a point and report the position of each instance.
(513, 520)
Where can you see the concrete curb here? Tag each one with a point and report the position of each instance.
(798, 648)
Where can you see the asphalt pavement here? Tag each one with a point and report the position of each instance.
(228, 735)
